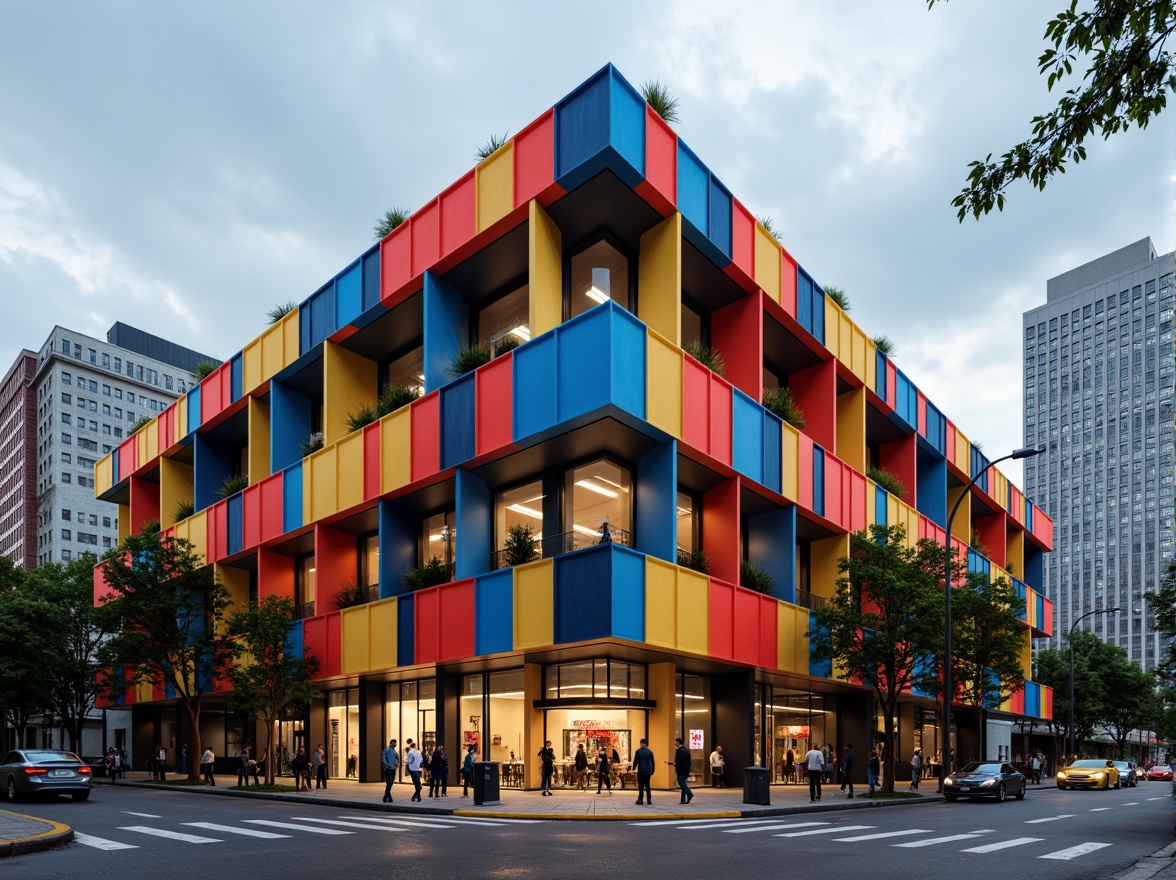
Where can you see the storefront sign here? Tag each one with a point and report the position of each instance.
(695, 740)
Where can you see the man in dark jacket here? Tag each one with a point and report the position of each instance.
(681, 765)
(847, 768)
(643, 764)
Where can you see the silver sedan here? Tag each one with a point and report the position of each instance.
(45, 772)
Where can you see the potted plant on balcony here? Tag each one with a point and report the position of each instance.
(520, 546)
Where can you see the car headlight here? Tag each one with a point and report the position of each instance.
(949, 781)
(1061, 775)
(987, 783)
(1099, 775)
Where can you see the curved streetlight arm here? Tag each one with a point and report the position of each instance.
(1070, 641)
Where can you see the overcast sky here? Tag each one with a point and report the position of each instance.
(184, 167)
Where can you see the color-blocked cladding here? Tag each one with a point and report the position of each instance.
(321, 639)
(676, 607)
(600, 592)
(494, 612)
(743, 625)
(444, 622)
(368, 637)
(494, 404)
(534, 605)
(599, 125)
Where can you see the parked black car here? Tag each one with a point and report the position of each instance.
(985, 779)
(45, 772)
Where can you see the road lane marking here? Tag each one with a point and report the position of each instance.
(936, 840)
(170, 835)
(100, 842)
(1099, 809)
(309, 828)
(144, 815)
(408, 822)
(232, 829)
(882, 834)
(1130, 804)
(367, 826)
(827, 830)
(1049, 819)
(1073, 852)
(773, 827)
(1004, 844)
(1157, 799)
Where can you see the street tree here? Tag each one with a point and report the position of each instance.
(26, 643)
(165, 611)
(1132, 702)
(1091, 690)
(1119, 49)
(269, 680)
(1162, 605)
(884, 625)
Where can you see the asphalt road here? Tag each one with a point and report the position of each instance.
(136, 833)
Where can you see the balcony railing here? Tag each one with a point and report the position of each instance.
(306, 609)
(566, 542)
(808, 600)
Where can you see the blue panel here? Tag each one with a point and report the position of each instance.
(880, 373)
(289, 425)
(693, 188)
(398, 545)
(194, 409)
(294, 639)
(292, 497)
(771, 544)
(906, 399)
(772, 452)
(475, 524)
(494, 612)
(405, 635)
(583, 344)
(581, 123)
(371, 278)
(316, 318)
(819, 668)
(627, 340)
(1032, 697)
(628, 123)
(1040, 599)
(936, 428)
(881, 506)
(720, 217)
(349, 294)
(443, 323)
(804, 299)
(818, 480)
(211, 463)
(534, 379)
(600, 125)
(114, 466)
(747, 436)
(457, 423)
(236, 523)
(978, 563)
(583, 594)
(1034, 566)
(236, 379)
(980, 465)
(628, 594)
(931, 494)
(655, 502)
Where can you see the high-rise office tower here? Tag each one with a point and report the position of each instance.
(1098, 372)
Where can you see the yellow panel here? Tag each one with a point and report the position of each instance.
(961, 526)
(124, 522)
(534, 604)
(252, 372)
(851, 428)
(545, 259)
(659, 279)
(274, 349)
(858, 344)
(661, 679)
(396, 450)
(198, 533)
(141, 443)
(319, 498)
(1015, 552)
(495, 183)
(790, 454)
(382, 635)
(661, 594)
(963, 453)
(824, 557)
(693, 611)
(871, 371)
(767, 262)
(259, 441)
(236, 580)
(663, 384)
(104, 474)
(144, 693)
(175, 486)
(181, 418)
(998, 487)
(354, 626)
(792, 639)
(833, 317)
(349, 382)
(349, 471)
(149, 441)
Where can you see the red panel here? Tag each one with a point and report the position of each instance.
(737, 330)
(456, 620)
(334, 661)
(695, 404)
(459, 217)
(251, 514)
(371, 461)
(335, 560)
(218, 531)
(815, 392)
(128, 458)
(167, 428)
(857, 502)
(534, 159)
(661, 164)
(742, 238)
(426, 237)
(144, 503)
(769, 625)
(747, 606)
(921, 410)
(426, 436)
(720, 529)
(494, 404)
(1017, 702)
(891, 382)
(990, 532)
(950, 442)
(216, 392)
(1018, 504)
(1046, 623)
(101, 589)
(426, 606)
(720, 420)
(788, 283)
(959, 548)
(395, 261)
(721, 641)
(314, 643)
(833, 487)
(275, 574)
(804, 472)
(900, 458)
(1047, 700)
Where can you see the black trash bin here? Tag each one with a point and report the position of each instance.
(756, 789)
(485, 782)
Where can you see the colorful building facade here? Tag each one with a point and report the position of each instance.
(598, 240)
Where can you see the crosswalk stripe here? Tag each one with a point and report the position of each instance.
(308, 828)
(1003, 844)
(365, 825)
(827, 830)
(231, 829)
(1049, 819)
(882, 834)
(100, 842)
(1157, 799)
(406, 823)
(170, 835)
(933, 841)
(144, 815)
(1099, 809)
(1130, 804)
(1073, 852)
(772, 827)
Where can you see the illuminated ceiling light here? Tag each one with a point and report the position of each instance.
(595, 293)
(522, 332)
(584, 530)
(599, 490)
(682, 511)
(617, 486)
(526, 511)
(601, 288)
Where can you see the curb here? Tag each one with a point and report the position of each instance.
(597, 817)
(57, 835)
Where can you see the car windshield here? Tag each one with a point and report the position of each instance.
(42, 757)
(1122, 765)
(977, 767)
(1089, 763)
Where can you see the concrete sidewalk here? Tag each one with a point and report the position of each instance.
(20, 834)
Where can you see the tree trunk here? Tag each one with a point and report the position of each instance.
(269, 751)
(193, 707)
(888, 757)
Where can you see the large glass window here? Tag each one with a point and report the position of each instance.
(521, 506)
(586, 679)
(369, 560)
(693, 722)
(599, 505)
(343, 742)
(505, 318)
(687, 527)
(412, 714)
(599, 272)
(796, 723)
(438, 533)
(407, 370)
(304, 586)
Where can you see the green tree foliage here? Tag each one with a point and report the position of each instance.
(1162, 605)
(660, 100)
(1132, 702)
(1127, 72)
(166, 612)
(269, 681)
(26, 679)
(1091, 690)
(884, 626)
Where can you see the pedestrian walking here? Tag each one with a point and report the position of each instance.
(414, 763)
(301, 767)
(467, 771)
(603, 774)
(581, 766)
(916, 770)
(389, 761)
(1036, 768)
(873, 766)
(847, 768)
(717, 765)
(243, 765)
(547, 766)
(681, 765)
(206, 764)
(814, 762)
(790, 766)
(182, 767)
(643, 764)
(319, 762)
(161, 762)
(438, 772)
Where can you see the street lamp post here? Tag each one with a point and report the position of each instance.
(1069, 638)
(945, 767)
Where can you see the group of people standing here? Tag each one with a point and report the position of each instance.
(415, 764)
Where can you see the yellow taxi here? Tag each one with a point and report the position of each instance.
(1089, 773)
